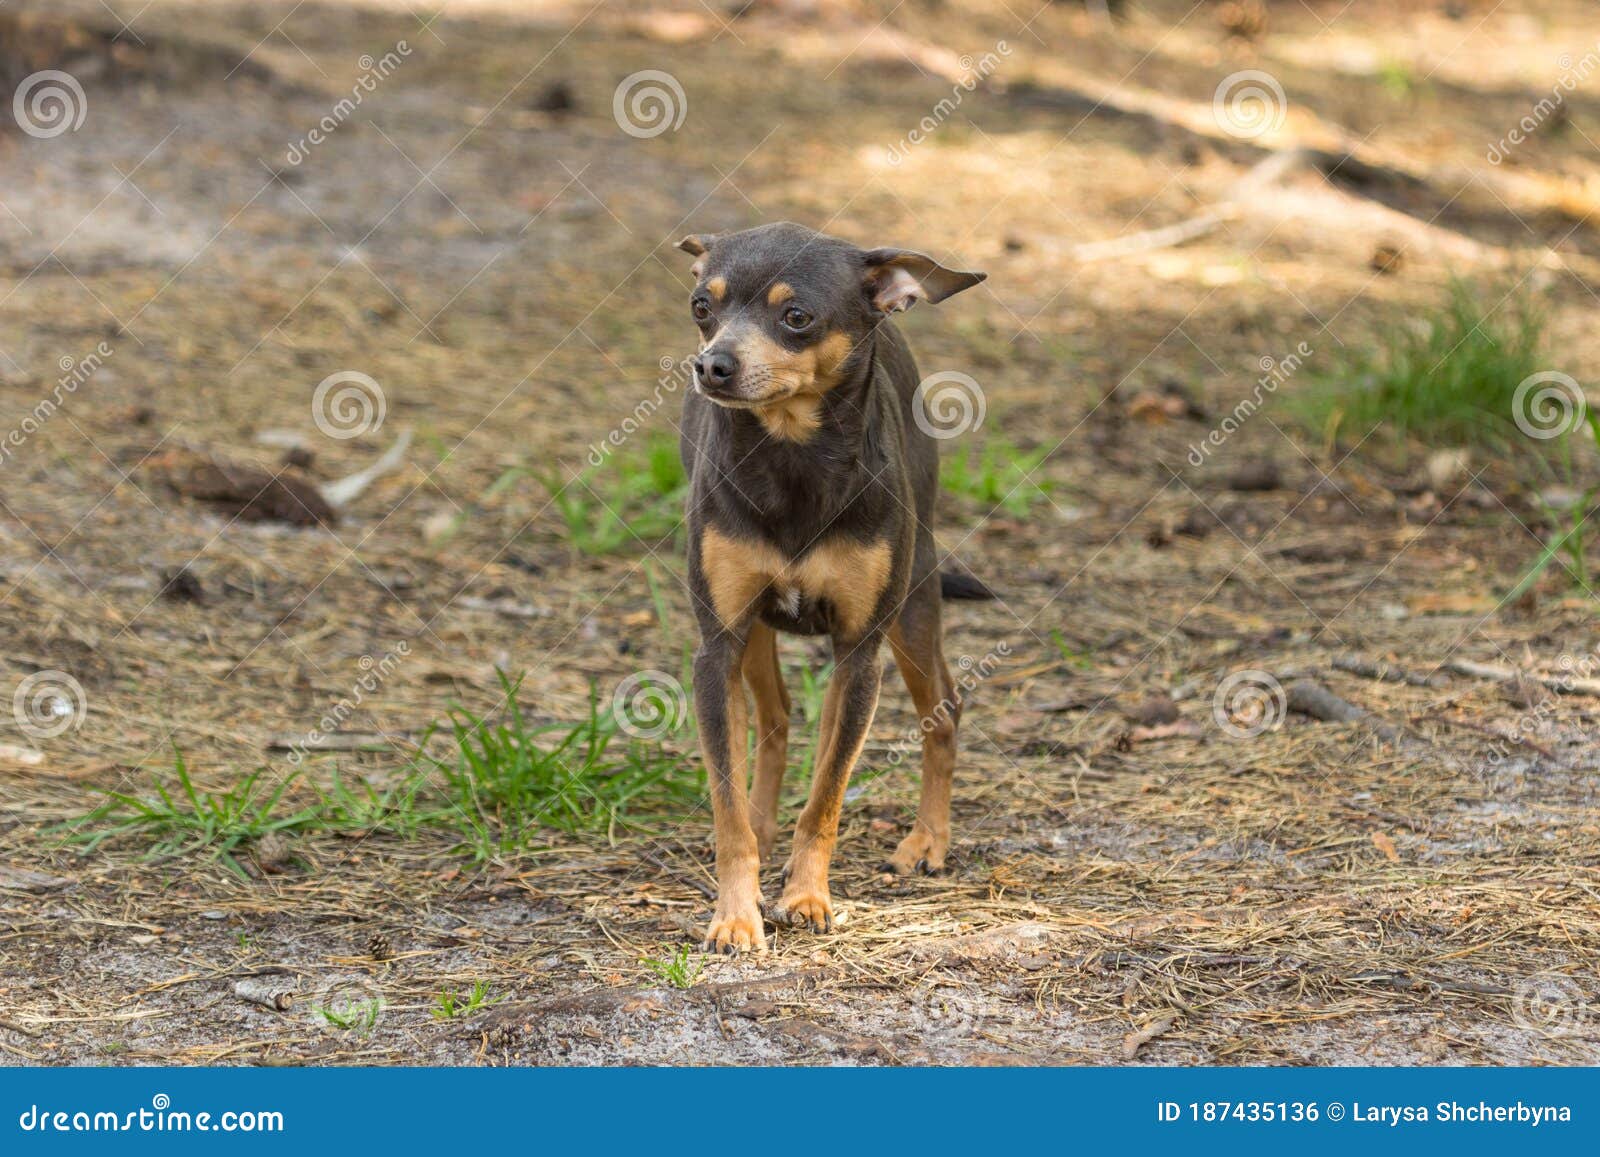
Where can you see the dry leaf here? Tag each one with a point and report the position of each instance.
(1385, 845)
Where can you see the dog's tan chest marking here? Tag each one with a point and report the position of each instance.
(847, 574)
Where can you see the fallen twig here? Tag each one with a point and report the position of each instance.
(1317, 701)
(1561, 684)
(267, 991)
(1386, 672)
(1134, 1041)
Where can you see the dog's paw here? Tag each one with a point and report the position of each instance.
(805, 908)
(735, 930)
(921, 851)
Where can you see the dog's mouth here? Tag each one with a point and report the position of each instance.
(743, 395)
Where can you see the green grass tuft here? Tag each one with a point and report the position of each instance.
(184, 819)
(448, 1005)
(509, 783)
(511, 778)
(626, 503)
(996, 475)
(678, 972)
(1445, 380)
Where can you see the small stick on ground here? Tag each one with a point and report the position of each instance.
(1558, 683)
(1134, 1041)
(1386, 672)
(267, 991)
(1317, 701)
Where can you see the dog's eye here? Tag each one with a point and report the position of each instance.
(796, 318)
(701, 310)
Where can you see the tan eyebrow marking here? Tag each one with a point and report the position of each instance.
(717, 287)
(780, 292)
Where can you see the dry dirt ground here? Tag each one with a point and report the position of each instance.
(1130, 881)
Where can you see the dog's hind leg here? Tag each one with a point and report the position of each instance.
(765, 679)
(918, 647)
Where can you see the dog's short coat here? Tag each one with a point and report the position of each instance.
(810, 511)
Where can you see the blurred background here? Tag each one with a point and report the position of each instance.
(340, 518)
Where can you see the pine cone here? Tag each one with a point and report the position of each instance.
(1246, 19)
(379, 947)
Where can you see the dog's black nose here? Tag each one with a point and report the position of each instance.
(717, 369)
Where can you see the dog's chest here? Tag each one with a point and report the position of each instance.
(832, 587)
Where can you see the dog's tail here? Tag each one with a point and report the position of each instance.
(956, 585)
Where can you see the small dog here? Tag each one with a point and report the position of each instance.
(810, 511)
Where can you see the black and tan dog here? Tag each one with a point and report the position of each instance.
(810, 511)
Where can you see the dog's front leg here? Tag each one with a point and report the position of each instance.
(724, 723)
(847, 710)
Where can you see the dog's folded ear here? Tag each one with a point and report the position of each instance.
(897, 279)
(698, 245)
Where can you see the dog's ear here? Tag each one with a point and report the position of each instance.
(897, 279)
(698, 245)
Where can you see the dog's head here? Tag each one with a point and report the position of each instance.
(784, 311)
